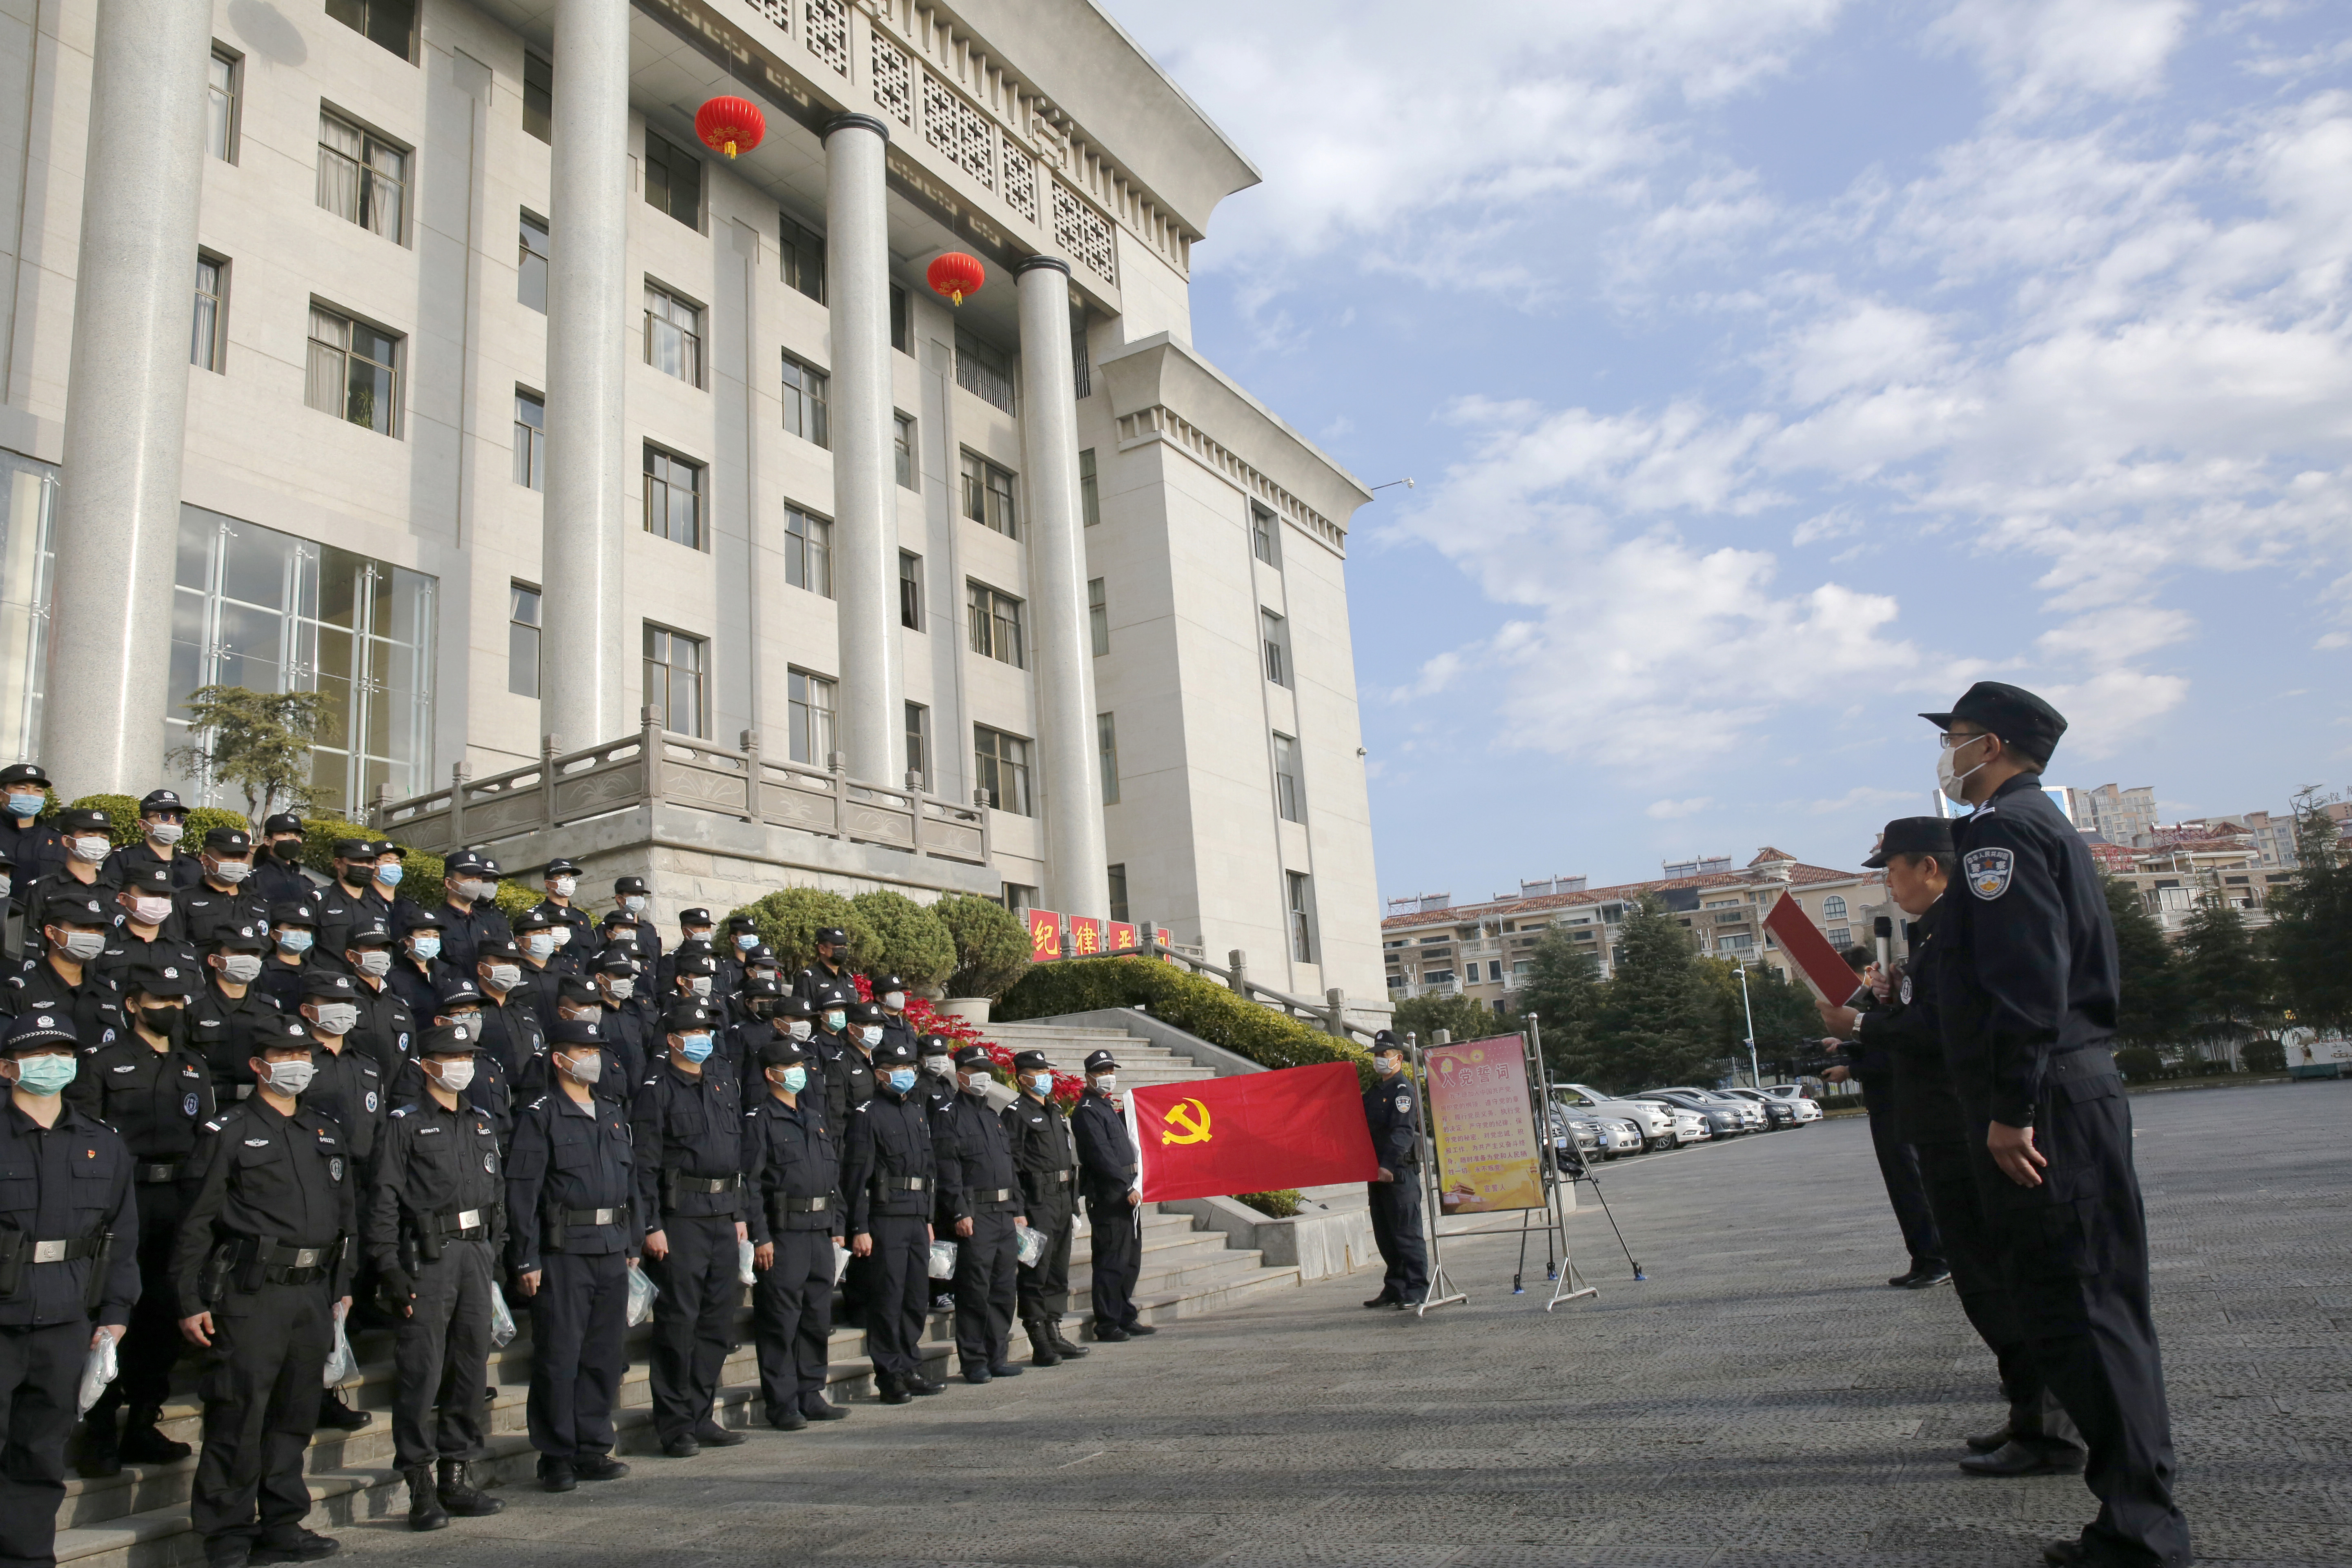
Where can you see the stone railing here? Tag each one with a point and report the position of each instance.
(1329, 1014)
(658, 768)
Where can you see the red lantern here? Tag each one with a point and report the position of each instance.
(956, 275)
(728, 124)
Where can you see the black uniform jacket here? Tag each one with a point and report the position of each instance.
(1908, 1031)
(975, 1160)
(67, 1183)
(1105, 1153)
(688, 1129)
(887, 1168)
(266, 1177)
(1044, 1155)
(437, 1167)
(795, 1169)
(1388, 1111)
(568, 1163)
(154, 1100)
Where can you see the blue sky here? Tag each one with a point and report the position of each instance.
(1770, 369)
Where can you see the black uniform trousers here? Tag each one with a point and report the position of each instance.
(441, 1354)
(898, 1300)
(791, 1320)
(579, 1317)
(2075, 1253)
(1898, 1166)
(260, 1388)
(1117, 1258)
(1043, 1288)
(985, 1290)
(701, 1284)
(151, 1341)
(2035, 1417)
(1396, 1231)
(40, 1370)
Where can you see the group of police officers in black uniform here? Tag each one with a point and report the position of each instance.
(244, 1108)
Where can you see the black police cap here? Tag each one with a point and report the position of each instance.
(559, 869)
(491, 947)
(2019, 718)
(84, 821)
(160, 800)
(684, 1015)
(612, 961)
(355, 849)
(1031, 1061)
(449, 1040)
(880, 983)
(832, 936)
(284, 822)
(790, 1007)
(240, 939)
(1386, 1040)
(228, 841)
(280, 1032)
(624, 887)
(40, 1027)
(76, 909)
(934, 1045)
(1912, 835)
(24, 772)
(163, 980)
(293, 912)
(421, 917)
(894, 1053)
(697, 916)
(865, 1012)
(1100, 1061)
(329, 986)
(761, 988)
(458, 988)
(533, 919)
(149, 878)
(742, 922)
(576, 990)
(690, 964)
(784, 1051)
(369, 933)
(973, 1057)
(576, 1032)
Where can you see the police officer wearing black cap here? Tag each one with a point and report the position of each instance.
(688, 1126)
(435, 1229)
(163, 822)
(469, 909)
(1394, 1192)
(34, 848)
(848, 1071)
(386, 1029)
(1047, 1158)
(733, 950)
(889, 992)
(224, 893)
(692, 976)
(752, 1008)
(155, 1092)
(575, 933)
(224, 1015)
(68, 1270)
(511, 1023)
(293, 937)
(575, 1228)
(490, 1091)
(694, 928)
(631, 1035)
(980, 1200)
(146, 927)
(277, 874)
(81, 875)
(1107, 1167)
(797, 1217)
(66, 978)
(830, 973)
(357, 895)
(571, 999)
(351, 1085)
(633, 901)
(889, 1176)
(537, 948)
(418, 969)
(262, 1271)
(935, 1057)
(2028, 998)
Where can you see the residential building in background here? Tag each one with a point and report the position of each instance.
(2118, 816)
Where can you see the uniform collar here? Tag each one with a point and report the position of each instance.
(69, 1115)
(2012, 785)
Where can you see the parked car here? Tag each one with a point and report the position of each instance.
(1653, 1121)
(1690, 1126)
(1723, 1121)
(1808, 1109)
(1751, 1115)
(1778, 1112)
(1570, 1131)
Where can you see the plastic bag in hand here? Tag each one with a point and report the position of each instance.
(840, 1261)
(642, 1292)
(97, 1370)
(1028, 1245)
(502, 1323)
(943, 1257)
(341, 1364)
(744, 1269)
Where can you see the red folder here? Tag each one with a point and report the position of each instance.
(1815, 959)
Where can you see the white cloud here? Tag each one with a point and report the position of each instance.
(1672, 810)
(2046, 51)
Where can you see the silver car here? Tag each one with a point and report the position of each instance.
(1654, 1122)
(1618, 1136)
(1752, 1116)
(1788, 1094)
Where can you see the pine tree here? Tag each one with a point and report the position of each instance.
(2149, 1004)
(1658, 1022)
(2311, 922)
(1463, 1019)
(1564, 991)
(2223, 982)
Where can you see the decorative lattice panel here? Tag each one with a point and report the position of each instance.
(829, 33)
(959, 129)
(780, 11)
(1083, 232)
(894, 82)
(1021, 182)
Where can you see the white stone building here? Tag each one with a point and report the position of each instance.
(501, 408)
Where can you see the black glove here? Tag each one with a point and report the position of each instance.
(397, 1289)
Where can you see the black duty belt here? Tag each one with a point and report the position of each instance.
(700, 1185)
(284, 1265)
(71, 1251)
(157, 1171)
(802, 1205)
(994, 1194)
(1059, 1178)
(906, 1184)
(461, 1225)
(593, 1216)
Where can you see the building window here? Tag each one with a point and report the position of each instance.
(812, 734)
(1277, 663)
(354, 372)
(220, 113)
(385, 22)
(902, 450)
(674, 663)
(988, 496)
(674, 180)
(538, 97)
(910, 590)
(1841, 936)
(1099, 616)
(806, 390)
(208, 340)
(673, 335)
(529, 440)
(531, 263)
(995, 624)
(1834, 907)
(1118, 892)
(919, 743)
(522, 640)
(1301, 900)
(902, 328)
(257, 609)
(1107, 750)
(1289, 797)
(363, 178)
(674, 500)
(1264, 537)
(983, 372)
(808, 552)
(1000, 763)
(1089, 498)
(801, 258)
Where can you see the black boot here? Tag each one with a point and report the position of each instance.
(142, 1443)
(1041, 1344)
(460, 1496)
(424, 1510)
(1062, 1346)
(333, 1412)
(100, 1452)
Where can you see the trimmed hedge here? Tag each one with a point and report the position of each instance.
(991, 948)
(1188, 1001)
(916, 943)
(1279, 1205)
(789, 918)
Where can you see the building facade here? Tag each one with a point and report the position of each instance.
(419, 353)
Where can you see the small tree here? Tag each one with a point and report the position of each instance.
(2311, 921)
(2222, 981)
(2148, 1003)
(1564, 993)
(1659, 1020)
(914, 942)
(259, 742)
(991, 948)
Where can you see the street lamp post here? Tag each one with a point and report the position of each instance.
(1755, 1077)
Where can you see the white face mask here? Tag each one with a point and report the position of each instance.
(3, 887)
(167, 833)
(634, 903)
(232, 871)
(1949, 777)
(241, 968)
(291, 1077)
(90, 850)
(871, 1034)
(150, 911)
(622, 989)
(376, 962)
(894, 1000)
(800, 1029)
(477, 891)
(81, 946)
(336, 1018)
(1105, 1083)
(585, 1067)
(563, 935)
(939, 1067)
(505, 976)
(453, 1075)
(699, 985)
(563, 886)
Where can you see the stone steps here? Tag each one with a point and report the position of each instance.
(1140, 1064)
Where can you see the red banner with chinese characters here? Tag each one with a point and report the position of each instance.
(1122, 937)
(1086, 936)
(1167, 941)
(1257, 1132)
(1045, 935)
(1816, 960)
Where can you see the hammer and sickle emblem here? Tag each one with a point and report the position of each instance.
(1189, 1120)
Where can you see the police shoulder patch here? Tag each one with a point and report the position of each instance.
(402, 1111)
(1987, 871)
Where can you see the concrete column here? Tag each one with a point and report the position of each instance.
(117, 519)
(1077, 874)
(872, 709)
(585, 645)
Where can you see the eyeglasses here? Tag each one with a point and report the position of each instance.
(1952, 738)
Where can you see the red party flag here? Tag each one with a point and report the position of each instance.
(1257, 1132)
(1815, 958)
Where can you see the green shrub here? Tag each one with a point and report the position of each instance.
(914, 943)
(992, 947)
(789, 918)
(2264, 1055)
(122, 816)
(203, 819)
(1274, 1205)
(2141, 1064)
(1196, 1006)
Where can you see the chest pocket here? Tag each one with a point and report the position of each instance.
(93, 1181)
(486, 1148)
(19, 1189)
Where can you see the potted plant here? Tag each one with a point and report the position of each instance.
(992, 952)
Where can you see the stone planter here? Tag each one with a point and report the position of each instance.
(973, 1010)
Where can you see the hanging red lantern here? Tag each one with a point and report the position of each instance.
(956, 275)
(730, 125)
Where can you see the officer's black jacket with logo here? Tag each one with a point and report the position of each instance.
(260, 1176)
(567, 1159)
(435, 1163)
(793, 1164)
(69, 1181)
(888, 1141)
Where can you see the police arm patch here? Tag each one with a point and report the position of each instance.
(1989, 870)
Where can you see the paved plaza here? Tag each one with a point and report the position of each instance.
(1762, 1399)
